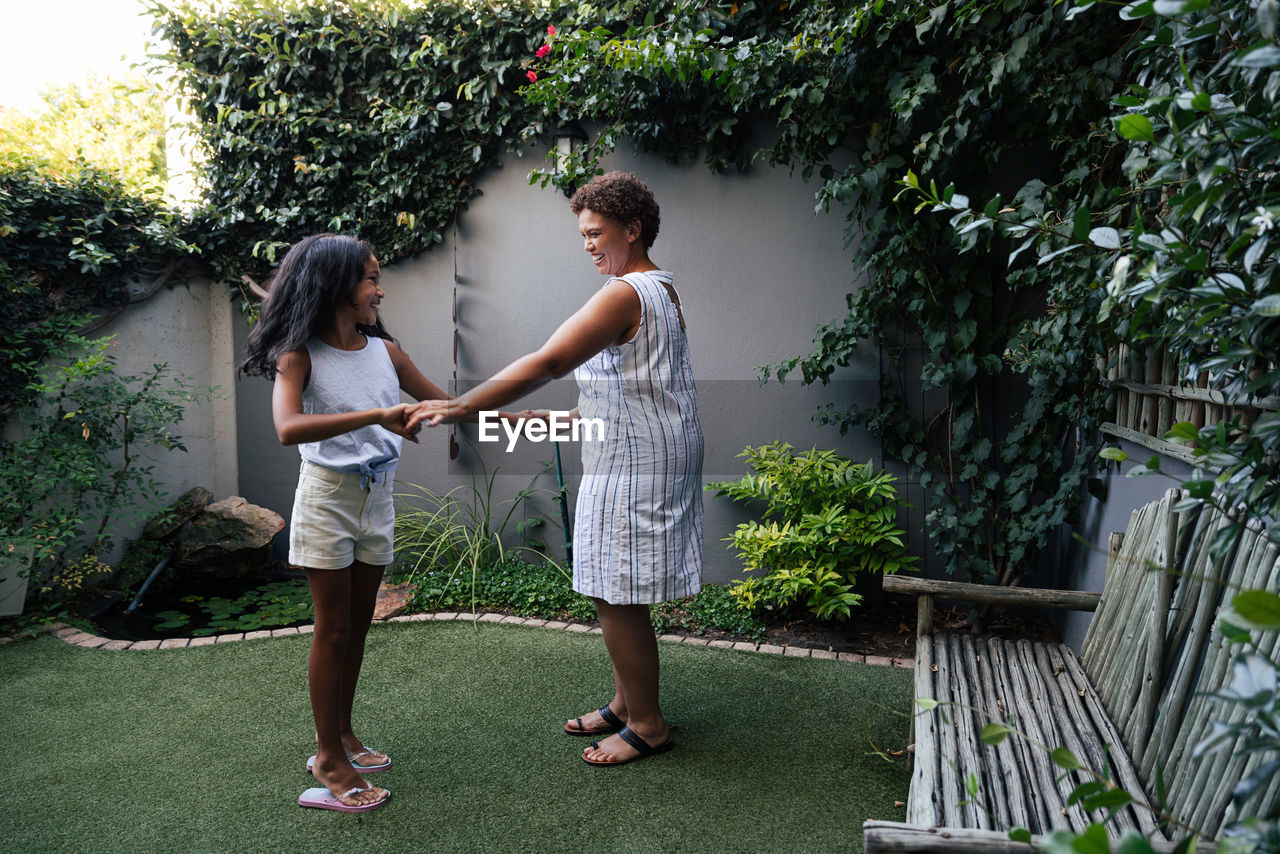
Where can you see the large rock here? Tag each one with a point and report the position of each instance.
(231, 535)
(393, 600)
(190, 505)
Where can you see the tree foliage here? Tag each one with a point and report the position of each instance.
(114, 125)
(827, 520)
(1182, 245)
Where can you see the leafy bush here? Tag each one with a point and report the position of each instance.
(826, 520)
(78, 467)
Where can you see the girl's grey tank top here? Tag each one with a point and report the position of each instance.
(352, 381)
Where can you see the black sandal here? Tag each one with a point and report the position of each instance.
(614, 722)
(628, 735)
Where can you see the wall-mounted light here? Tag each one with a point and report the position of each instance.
(566, 139)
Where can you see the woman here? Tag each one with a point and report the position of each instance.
(638, 526)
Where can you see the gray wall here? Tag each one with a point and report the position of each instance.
(188, 327)
(756, 269)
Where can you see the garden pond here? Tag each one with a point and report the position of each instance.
(275, 597)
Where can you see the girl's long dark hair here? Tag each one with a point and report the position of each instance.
(318, 275)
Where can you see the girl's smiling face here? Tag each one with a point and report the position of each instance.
(368, 294)
(610, 244)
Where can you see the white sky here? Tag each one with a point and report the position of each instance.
(53, 42)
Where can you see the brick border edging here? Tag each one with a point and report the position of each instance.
(76, 637)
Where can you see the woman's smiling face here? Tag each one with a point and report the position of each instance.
(610, 244)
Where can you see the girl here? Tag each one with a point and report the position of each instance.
(338, 376)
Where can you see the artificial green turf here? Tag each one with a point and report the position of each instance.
(196, 750)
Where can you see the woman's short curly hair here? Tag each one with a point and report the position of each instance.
(623, 198)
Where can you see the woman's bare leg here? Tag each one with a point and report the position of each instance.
(591, 721)
(633, 647)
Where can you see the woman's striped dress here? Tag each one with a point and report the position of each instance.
(637, 531)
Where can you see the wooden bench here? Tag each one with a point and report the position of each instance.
(1135, 697)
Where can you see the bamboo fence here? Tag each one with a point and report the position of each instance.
(1149, 395)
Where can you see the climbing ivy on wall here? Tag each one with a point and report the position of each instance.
(68, 247)
(370, 118)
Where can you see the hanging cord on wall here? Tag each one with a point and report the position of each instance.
(453, 428)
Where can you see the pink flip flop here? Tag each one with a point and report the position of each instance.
(321, 798)
(363, 769)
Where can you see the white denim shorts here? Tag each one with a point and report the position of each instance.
(337, 521)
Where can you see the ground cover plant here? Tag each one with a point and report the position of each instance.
(450, 548)
(544, 589)
(471, 715)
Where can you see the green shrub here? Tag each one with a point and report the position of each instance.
(78, 467)
(826, 520)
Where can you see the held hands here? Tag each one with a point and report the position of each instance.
(397, 420)
(433, 412)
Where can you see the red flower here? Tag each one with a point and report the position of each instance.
(543, 51)
(551, 31)
(532, 75)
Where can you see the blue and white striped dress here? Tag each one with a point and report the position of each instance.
(637, 536)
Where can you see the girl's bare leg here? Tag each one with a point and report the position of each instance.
(332, 594)
(365, 580)
(633, 647)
